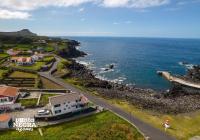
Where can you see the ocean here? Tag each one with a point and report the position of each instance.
(136, 60)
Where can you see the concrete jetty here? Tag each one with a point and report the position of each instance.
(171, 78)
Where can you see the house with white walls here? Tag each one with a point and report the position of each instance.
(8, 97)
(67, 103)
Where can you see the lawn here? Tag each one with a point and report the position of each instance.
(48, 58)
(36, 67)
(49, 48)
(47, 84)
(102, 126)
(63, 64)
(77, 83)
(3, 55)
(23, 47)
(17, 74)
(44, 100)
(2, 72)
(28, 102)
(183, 126)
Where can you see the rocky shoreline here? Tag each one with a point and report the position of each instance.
(174, 101)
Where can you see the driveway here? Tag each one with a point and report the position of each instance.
(26, 113)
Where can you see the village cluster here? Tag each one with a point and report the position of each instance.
(49, 105)
(58, 105)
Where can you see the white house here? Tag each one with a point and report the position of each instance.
(8, 97)
(22, 60)
(5, 121)
(12, 52)
(37, 56)
(67, 103)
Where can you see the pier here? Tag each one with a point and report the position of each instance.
(171, 78)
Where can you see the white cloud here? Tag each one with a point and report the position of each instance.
(21, 7)
(6, 14)
(134, 3)
(34, 4)
(115, 3)
(81, 10)
(184, 2)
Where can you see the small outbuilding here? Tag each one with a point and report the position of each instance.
(5, 121)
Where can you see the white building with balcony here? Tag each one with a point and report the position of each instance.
(67, 103)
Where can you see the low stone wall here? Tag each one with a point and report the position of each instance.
(10, 106)
(23, 70)
(45, 90)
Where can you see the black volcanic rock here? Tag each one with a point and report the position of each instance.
(194, 74)
(71, 51)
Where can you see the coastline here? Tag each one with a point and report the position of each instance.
(159, 101)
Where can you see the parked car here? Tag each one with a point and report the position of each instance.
(43, 112)
(24, 94)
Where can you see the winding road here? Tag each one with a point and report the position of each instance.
(149, 131)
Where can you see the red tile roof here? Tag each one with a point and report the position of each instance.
(8, 91)
(22, 59)
(4, 117)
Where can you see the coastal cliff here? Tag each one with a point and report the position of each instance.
(158, 101)
(70, 51)
(176, 100)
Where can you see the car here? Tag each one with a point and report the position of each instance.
(43, 112)
(24, 94)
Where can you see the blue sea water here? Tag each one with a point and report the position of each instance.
(136, 60)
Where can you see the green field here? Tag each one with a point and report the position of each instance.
(17, 74)
(47, 84)
(3, 72)
(44, 100)
(102, 126)
(3, 55)
(183, 126)
(63, 64)
(36, 67)
(49, 48)
(23, 47)
(28, 102)
(48, 58)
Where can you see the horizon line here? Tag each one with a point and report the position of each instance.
(195, 38)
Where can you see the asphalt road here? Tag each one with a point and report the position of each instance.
(146, 129)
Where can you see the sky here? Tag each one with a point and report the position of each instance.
(131, 18)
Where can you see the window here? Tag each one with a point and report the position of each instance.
(4, 100)
(57, 111)
(57, 105)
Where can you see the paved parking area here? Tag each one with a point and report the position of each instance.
(26, 113)
(32, 95)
